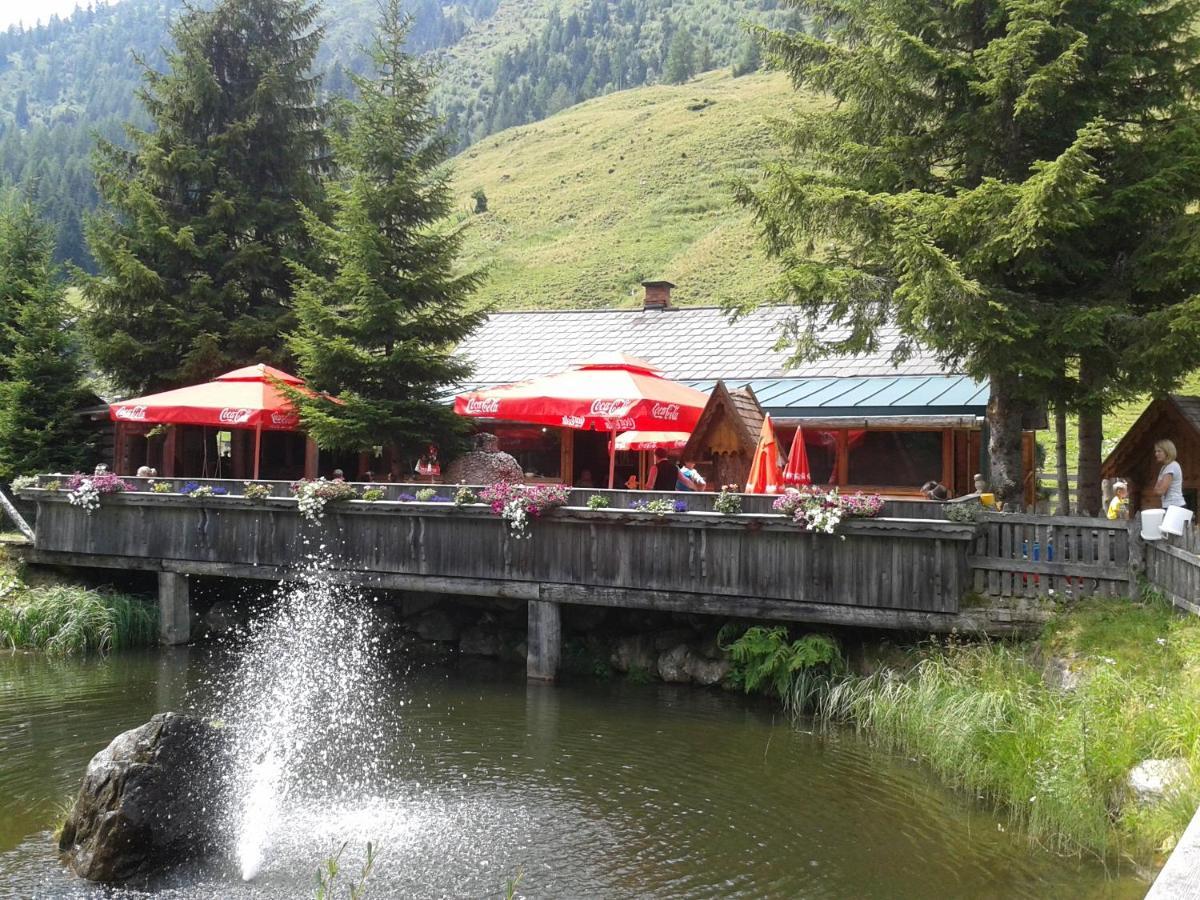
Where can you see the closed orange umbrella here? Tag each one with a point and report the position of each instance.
(764, 473)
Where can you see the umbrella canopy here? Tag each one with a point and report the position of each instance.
(797, 473)
(653, 440)
(611, 392)
(764, 473)
(244, 398)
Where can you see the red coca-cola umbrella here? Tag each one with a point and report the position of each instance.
(248, 398)
(610, 392)
(796, 473)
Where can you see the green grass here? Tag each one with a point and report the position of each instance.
(584, 206)
(64, 619)
(983, 718)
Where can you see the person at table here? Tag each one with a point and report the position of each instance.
(689, 478)
(664, 474)
(1169, 485)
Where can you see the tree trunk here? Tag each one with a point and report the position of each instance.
(1060, 459)
(1004, 412)
(1091, 438)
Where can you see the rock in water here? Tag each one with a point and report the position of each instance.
(148, 800)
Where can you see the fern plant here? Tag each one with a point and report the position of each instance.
(796, 672)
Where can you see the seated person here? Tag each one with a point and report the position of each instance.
(1118, 507)
(932, 490)
(689, 478)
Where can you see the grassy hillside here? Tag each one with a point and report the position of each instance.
(635, 185)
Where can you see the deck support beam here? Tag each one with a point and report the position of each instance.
(543, 641)
(174, 609)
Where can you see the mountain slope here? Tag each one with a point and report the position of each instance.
(635, 185)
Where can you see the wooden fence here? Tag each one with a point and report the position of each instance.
(1019, 555)
(752, 565)
(1173, 566)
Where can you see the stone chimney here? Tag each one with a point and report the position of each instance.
(658, 295)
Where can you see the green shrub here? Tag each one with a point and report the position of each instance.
(598, 501)
(464, 496)
(424, 495)
(372, 495)
(163, 487)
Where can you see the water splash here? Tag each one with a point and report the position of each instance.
(306, 712)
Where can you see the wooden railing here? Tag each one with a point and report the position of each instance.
(1173, 566)
(1018, 555)
(753, 565)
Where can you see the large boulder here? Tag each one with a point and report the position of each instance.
(671, 665)
(486, 464)
(634, 654)
(705, 671)
(148, 800)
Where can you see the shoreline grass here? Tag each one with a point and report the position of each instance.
(63, 619)
(984, 718)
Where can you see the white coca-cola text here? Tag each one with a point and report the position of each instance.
(573, 421)
(132, 413)
(666, 411)
(479, 406)
(231, 416)
(610, 408)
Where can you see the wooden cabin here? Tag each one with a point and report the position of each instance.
(1175, 417)
(868, 422)
(724, 440)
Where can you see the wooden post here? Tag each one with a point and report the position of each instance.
(174, 609)
(566, 456)
(257, 449)
(612, 453)
(312, 457)
(543, 641)
(169, 444)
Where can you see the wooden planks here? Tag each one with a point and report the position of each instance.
(1027, 556)
(888, 564)
(1173, 566)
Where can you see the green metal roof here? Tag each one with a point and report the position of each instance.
(912, 395)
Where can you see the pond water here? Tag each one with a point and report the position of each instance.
(607, 789)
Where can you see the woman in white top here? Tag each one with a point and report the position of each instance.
(1170, 477)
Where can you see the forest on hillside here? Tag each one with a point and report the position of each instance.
(68, 81)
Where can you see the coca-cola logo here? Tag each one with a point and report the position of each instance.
(573, 421)
(610, 409)
(132, 413)
(481, 406)
(284, 419)
(666, 411)
(230, 416)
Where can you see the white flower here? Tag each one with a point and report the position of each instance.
(1162, 642)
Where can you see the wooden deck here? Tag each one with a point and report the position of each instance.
(903, 573)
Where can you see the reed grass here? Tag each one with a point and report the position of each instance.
(69, 620)
(984, 718)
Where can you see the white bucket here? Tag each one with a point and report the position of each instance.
(1176, 518)
(1152, 523)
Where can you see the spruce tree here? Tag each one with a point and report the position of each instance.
(1010, 182)
(378, 323)
(201, 219)
(42, 389)
(681, 58)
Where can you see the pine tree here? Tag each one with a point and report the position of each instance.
(1011, 182)
(681, 58)
(42, 390)
(379, 322)
(201, 218)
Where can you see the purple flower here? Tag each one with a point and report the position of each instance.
(681, 506)
(220, 492)
(440, 499)
(407, 498)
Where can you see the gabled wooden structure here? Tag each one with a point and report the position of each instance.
(1175, 417)
(723, 441)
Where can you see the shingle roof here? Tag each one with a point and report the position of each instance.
(689, 343)
(1190, 408)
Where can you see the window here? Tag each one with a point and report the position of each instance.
(895, 458)
(537, 449)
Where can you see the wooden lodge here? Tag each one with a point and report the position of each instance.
(868, 423)
(1175, 417)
